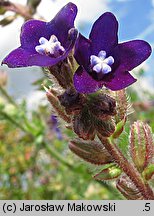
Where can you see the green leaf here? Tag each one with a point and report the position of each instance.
(109, 173)
(119, 128)
(148, 172)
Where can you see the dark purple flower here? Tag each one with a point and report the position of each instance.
(45, 43)
(104, 62)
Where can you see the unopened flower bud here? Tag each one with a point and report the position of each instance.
(56, 105)
(128, 189)
(106, 128)
(90, 151)
(141, 145)
(72, 34)
(102, 106)
(123, 105)
(72, 101)
(83, 125)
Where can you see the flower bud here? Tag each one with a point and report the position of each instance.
(57, 106)
(72, 34)
(122, 104)
(141, 145)
(72, 101)
(109, 173)
(83, 125)
(90, 151)
(128, 189)
(102, 106)
(106, 128)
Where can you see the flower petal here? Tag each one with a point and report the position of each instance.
(33, 30)
(82, 51)
(104, 34)
(129, 55)
(120, 80)
(64, 20)
(24, 58)
(84, 83)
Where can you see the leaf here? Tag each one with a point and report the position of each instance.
(119, 128)
(109, 173)
(148, 172)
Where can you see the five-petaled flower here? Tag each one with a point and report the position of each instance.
(45, 43)
(104, 62)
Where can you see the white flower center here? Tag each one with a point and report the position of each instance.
(101, 64)
(52, 47)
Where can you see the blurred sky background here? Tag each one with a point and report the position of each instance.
(136, 18)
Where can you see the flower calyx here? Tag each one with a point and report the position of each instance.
(90, 114)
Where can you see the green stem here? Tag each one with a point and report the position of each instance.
(13, 121)
(7, 96)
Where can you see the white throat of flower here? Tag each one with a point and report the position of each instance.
(52, 47)
(101, 64)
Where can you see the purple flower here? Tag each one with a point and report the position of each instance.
(104, 62)
(54, 127)
(45, 43)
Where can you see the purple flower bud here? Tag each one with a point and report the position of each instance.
(102, 106)
(83, 125)
(72, 101)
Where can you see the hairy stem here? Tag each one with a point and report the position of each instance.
(129, 169)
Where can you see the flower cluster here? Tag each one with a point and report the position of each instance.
(95, 114)
(102, 61)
